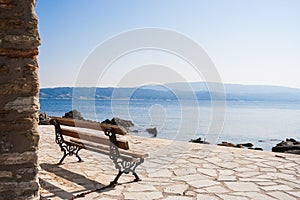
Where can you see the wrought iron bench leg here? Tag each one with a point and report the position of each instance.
(115, 181)
(62, 159)
(70, 150)
(137, 178)
(76, 154)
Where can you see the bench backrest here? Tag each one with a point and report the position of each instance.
(61, 131)
(89, 124)
(99, 138)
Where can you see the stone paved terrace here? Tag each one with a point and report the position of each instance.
(174, 170)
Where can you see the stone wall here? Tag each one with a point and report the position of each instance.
(19, 87)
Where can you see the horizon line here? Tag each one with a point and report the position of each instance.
(137, 86)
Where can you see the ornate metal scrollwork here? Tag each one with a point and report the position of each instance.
(65, 146)
(122, 163)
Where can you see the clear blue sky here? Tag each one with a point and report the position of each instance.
(250, 41)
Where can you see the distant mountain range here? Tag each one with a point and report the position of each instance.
(172, 91)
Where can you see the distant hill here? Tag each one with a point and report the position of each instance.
(172, 91)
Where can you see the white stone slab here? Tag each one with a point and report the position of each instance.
(142, 195)
(281, 195)
(276, 188)
(242, 186)
(176, 189)
(202, 183)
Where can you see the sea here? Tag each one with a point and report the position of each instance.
(264, 124)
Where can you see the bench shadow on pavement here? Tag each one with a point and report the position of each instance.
(88, 184)
(54, 191)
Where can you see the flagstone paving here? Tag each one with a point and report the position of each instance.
(173, 170)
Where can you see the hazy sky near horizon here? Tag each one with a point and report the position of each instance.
(249, 41)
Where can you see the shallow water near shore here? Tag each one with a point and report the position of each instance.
(262, 123)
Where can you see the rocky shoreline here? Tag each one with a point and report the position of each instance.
(228, 144)
(290, 145)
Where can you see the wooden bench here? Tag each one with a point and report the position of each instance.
(71, 141)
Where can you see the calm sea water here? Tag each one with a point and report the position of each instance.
(252, 122)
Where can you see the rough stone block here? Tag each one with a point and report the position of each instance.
(19, 158)
(6, 174)
(7, 4)
(27, 104)
(19, 190)
(19, 53)
(20, 41)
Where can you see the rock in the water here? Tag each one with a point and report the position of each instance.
(44, 119)
(152, 131)
(199, 140)
(122, 122)
(246, 144)
(74, 114)
(292, 140)
(126, 124)
(228, 144)
(288, 146)
(107, 121)
(256, 148)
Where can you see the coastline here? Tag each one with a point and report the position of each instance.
(127, 126)
(245, 121)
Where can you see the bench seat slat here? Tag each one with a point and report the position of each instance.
(99, 149)
(132, 153)
(105, 152)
